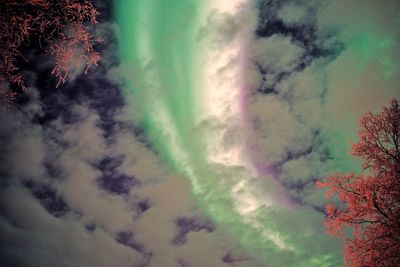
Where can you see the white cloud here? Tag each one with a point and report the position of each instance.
(277, 130)
(292, 13)
(276, 53)
(293, 126)
(76, 148)
(35, 238)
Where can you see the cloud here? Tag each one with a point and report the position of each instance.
(82, 185)
(32, 237)
(312, 78)
(68, 217)
(276, 53)
(292, 13)
(278, 132)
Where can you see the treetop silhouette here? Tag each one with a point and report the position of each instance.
(58, 27)
(371, 200)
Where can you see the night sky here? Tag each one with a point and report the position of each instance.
(199, 137)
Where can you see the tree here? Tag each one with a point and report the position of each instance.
(58, 27)
(370, 200)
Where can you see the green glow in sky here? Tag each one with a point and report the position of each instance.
(370, 46)
(156, 40)
(157, 49)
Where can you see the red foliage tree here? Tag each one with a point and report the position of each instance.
(371, 200)
(58, 27)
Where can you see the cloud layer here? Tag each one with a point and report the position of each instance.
(83, 185)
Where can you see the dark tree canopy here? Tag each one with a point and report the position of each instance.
(371, 199)
(58, 27)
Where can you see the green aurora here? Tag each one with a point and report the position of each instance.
(159, 55)
(158, 49)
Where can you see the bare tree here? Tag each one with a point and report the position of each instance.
(371, 199)
(57, 26)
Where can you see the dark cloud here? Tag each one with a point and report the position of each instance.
(49, 198)
(187, 225)
(82, 185)
(111, 180)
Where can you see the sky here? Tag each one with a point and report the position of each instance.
(198, 139)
